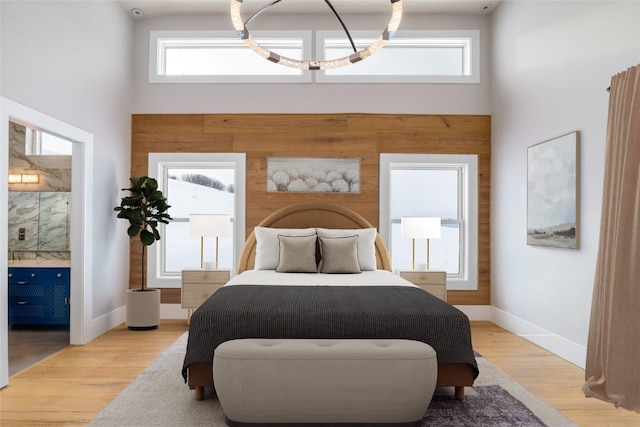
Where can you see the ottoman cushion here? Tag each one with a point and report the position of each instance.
(324, 381)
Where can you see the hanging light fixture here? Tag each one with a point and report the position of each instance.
(358, 55)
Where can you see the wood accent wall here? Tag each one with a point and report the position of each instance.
(320, 135)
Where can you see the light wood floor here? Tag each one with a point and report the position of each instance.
(72, 386)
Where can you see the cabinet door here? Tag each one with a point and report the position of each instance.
(59, 282)
(27, 297)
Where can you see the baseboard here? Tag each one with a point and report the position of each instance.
(476, 312)
(105, 323)
(172, 311)
(560, 346)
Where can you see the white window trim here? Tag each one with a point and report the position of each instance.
(155, 59)
(473, 57)
(158, 162)
(469, 279)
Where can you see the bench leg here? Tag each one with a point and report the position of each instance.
(199, 393)
(459, 392)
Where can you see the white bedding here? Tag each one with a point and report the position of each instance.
(366, 278)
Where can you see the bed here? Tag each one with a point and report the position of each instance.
(261, 302)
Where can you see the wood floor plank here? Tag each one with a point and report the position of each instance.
(71, 387)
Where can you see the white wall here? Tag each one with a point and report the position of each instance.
(73, 61)
(552, 62)
(311, 98)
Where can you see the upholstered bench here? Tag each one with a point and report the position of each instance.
(324, 381)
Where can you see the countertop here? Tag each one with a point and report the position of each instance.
(31, 263)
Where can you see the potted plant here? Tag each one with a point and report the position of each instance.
(145, 207)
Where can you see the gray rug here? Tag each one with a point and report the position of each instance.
(159, 397)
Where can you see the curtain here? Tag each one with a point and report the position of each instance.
(612, 370)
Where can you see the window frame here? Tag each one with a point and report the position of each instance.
(156, 63)
(467, 199)
(471, 64)
(158, 165)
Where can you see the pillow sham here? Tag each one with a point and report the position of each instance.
(268, 245)
(297, 254)
(366, 243)
(339, 255)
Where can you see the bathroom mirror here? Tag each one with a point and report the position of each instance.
(39, 221)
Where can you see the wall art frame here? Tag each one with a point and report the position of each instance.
(552, 192)
(313, 175)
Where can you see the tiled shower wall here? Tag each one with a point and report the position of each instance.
(39, 212)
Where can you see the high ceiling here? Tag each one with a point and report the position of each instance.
(154, 8)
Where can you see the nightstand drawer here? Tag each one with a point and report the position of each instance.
(205, 276)
(425, 277)
(194, 294)
(198, 285)
(434, 282)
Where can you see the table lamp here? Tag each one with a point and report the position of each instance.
(420, 228)
(208, 225)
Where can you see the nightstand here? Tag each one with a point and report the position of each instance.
(432, 281)
(198, 285)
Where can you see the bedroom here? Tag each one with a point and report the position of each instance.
(530, 90)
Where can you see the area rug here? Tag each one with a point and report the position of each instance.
(159, 397)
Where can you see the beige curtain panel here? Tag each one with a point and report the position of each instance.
(613, 353)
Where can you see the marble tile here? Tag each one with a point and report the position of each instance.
(44, 217)
(54, 171)
(23, 213)
(53, 231)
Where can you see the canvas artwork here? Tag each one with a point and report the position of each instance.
(552, 192)
(313, 175)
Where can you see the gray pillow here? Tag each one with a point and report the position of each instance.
(297, 254)
(339, 255)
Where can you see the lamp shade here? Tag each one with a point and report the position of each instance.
(420, 227)
(209, 225)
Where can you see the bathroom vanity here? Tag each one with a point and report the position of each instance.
(39, 293)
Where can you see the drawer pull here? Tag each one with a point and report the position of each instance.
(22, 303)
(59, 275)
(22, 283)
(10, 275)
(33, 274)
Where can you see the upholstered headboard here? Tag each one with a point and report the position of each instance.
(313, 214)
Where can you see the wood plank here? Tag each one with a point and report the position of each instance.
(321, 135)
(73, 385)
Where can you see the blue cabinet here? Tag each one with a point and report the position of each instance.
(39, 296)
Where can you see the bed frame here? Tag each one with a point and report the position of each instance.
(324, 215)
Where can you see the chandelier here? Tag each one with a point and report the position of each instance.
(356, 56)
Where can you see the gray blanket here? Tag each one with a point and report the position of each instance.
(391, 312)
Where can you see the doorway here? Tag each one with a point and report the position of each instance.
(80, 228)
(39, 245)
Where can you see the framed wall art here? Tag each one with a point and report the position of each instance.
(313, 175)
(552, 192)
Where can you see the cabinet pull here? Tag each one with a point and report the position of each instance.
(59, 275)
(22, 283)
(33, 274)
(22, 303)
(10, 275)
(66, 300)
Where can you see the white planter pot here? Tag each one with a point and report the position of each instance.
(143, 309)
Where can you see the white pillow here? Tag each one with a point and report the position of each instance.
(366, 243)
(268, 245)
